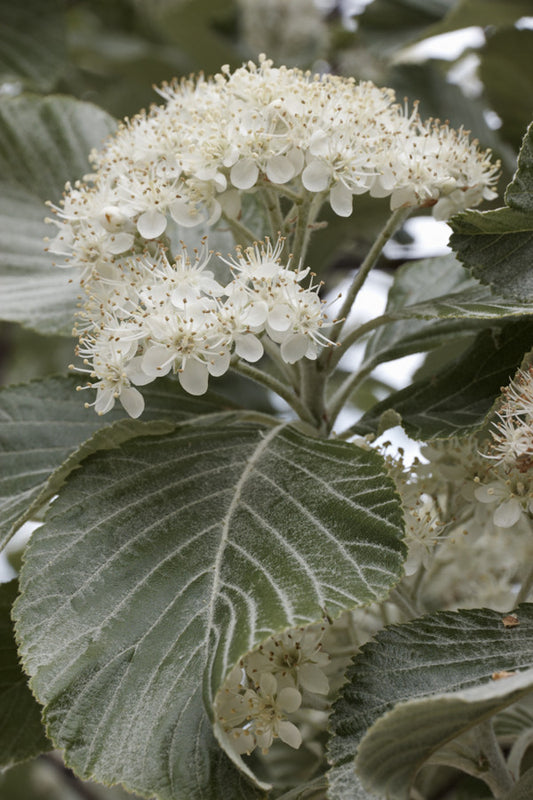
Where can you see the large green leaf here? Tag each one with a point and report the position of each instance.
(43, 143)
(32, 42)
(44, 423)
(498, 245)
(523, 789)
(440, 653)
(478, 302)
(164, 561)
(387, 25)
(403, 739)
(22, 733)
(506, 72)
(459, 398)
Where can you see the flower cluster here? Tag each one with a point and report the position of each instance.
(268, 685)
(510, 490)
(191, 160)
(149, 316)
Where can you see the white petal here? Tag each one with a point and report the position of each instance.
(136, 373)
(151, 224)
(508, 513)
(316, 176)
(255, 314)
(219, 363)
(312, 678)
(297, 160)
(185, 213)
(241, 741)
(105, 400)
(289, 734)
(294, 348)
(340, 199)
(268, 684)
(289, 699)
(319, 143)
(279, 169)
(120, 242)
(230, 202)
(243, 174)
(249, 347)
(157, 361)
(278, 317)
(194, 377)
(132, 401)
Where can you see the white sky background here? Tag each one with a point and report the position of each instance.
(430, 237)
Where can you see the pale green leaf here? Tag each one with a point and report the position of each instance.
(22, 733)
(498, 245)
(44, 423)
(43, 143)
(459, 398)
(164, 561)
(403, 739)
(466, 13)
(32, 43)
(418, 282)
(477, 302)
(440, 653)
(523, 789)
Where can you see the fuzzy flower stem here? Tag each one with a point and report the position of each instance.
(395, 220)
(342, 396)
(273, 208)
(336, 354)
(276, 386)
(312, 383)
(498, 777)
(284, 191)
(307, 212)
(273, 352)
(241, 233)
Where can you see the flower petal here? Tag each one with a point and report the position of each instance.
(132, 401)
(244, 173)
(151, 224)
(289, 733)
(194, 377)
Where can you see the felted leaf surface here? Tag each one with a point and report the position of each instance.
(44, 423)
(441, 653)
(164, 561)
(477, 302)
(398, 744)
(459, 398)
(32, 42)
(43, 143)
(523, 789)
(498, 245)
(22, 733)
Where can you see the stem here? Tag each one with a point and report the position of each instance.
(498, 778)
(337, 353)
(342, 395)
(240, 231)
(312, 392)
(276, 386)
(395, 220)
(307, 212)
(275, 216)
(272, 350)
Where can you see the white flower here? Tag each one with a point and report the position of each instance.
(295, 658)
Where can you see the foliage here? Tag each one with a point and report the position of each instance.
(241, 592)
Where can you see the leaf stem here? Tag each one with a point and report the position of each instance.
(337, 353)
(240, 231)
(498, 778)
(276, 386)
(342, 395)
(395, 220)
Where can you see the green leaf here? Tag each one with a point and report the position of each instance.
(22, 733)
(458, 399)
(32, 43)
(505, 70)
(417, 282)
(446, 652)
(467, 13)
(390, 24)
(523, 789)
(403, 739)
(498, 245)
(44, 423)
(164, 561)
(43, 143)
(477, 302)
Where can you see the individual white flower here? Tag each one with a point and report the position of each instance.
(294, 657)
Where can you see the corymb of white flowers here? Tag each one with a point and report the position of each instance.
(280, 139)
